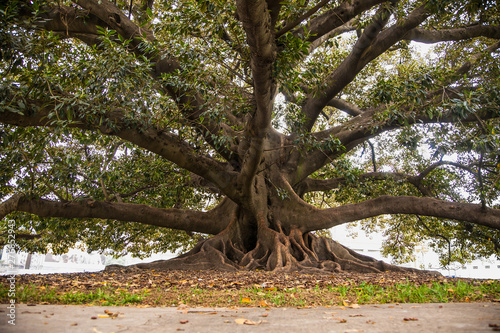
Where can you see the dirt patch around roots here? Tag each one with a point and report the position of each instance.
(246, 288)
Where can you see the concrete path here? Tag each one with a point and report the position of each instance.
(453, 317)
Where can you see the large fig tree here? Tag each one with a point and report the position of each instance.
(249, 125)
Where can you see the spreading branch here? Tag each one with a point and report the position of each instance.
(211, 222)
(363, 127)
(336, 17)
(164, 144)
(423, 206)
(445, 35)
(289, 26)
(359, 57)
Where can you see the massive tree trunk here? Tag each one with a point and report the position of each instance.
(272, 230)
(272, 238)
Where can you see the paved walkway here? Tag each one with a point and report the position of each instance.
(452, 317)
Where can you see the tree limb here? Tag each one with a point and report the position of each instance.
(327, 218)
(314, 185)
(347, 27)
(345, 106)
(289, 26)
(164, 144)
(83, 24)
(347, 70)
(334, 18)
(435, 36)
(360, 128)
(205, 222)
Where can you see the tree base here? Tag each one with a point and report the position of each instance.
(276, 252)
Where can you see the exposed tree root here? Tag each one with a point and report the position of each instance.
(274, 251)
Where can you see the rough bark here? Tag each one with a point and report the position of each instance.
(273, 251)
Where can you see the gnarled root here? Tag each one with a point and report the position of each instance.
(275, 251)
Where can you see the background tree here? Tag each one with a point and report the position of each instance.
(139, 126)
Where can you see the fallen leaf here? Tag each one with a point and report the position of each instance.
(103, 316)
(354, 306)
(243, 321)
(343, 321)
(184, 321)
(410, 319)
(263, 304)
(264, 315)
(246, 300)
(182, 307)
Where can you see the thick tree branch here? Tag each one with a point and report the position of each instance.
(327, 218)
(289, 26)
(347, 27)
(435, 36)
(345, 106)
(346, 71)
(164, 144)
(362, 127)
(334, 18)
(71, 22)
(10, 205)
(313, 185)
(257, 24)
(394, 34)
(82, 24)
(211, 222)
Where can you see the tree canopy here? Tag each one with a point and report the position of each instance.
(144, 126)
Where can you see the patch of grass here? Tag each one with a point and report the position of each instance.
(100, 296)
(427, 293)
(256, 295)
